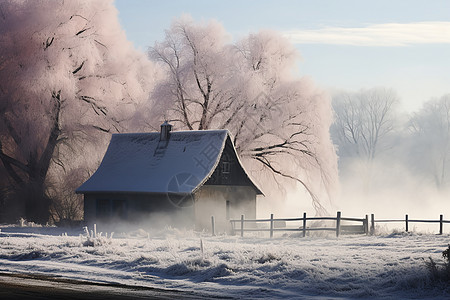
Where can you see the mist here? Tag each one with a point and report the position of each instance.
(147, 224)
(392, 163)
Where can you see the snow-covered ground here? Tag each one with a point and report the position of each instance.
(390, 266)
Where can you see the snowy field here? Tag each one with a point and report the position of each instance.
(390, 266)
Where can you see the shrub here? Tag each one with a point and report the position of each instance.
(94, 239)
(440, 272)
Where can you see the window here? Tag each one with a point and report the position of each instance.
(103, 208)
(119, 209)
(226, 167)
(225, 163)
(111, 209)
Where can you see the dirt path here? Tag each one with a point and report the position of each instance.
(32, 286)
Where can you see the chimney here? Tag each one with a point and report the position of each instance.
(166, 128)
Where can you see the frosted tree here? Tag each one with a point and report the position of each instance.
(364, 131)
(363, 122)
(67, 74)
(279, 122)
(430, 141)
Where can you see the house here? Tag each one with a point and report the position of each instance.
(180, 178)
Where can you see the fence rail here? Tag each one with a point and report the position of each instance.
(362, 227)
(406, 220)
(239, 225)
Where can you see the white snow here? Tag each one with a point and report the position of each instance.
(389, 266)
(140, 162)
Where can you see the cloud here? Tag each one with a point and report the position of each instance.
(381, 35)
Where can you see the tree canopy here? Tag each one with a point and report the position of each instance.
(279, 121)
(67, 73)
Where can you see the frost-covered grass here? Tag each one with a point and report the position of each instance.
(389, 266)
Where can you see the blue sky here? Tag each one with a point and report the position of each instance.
(344, 45)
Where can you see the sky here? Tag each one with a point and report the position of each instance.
(344, 45)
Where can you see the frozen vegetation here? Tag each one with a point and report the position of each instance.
(390, 266)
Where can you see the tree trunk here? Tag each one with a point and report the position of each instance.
(38, 203)
(29, 190)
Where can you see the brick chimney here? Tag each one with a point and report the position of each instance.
(166, 128)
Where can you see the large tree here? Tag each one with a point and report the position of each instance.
(279, 122)
(65, 70)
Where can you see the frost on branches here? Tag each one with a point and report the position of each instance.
(65, 69)
(280, 122)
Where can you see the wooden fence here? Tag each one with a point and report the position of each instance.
(407, 221)
(274, 225)
(281, 225)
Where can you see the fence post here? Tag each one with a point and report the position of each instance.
(441, 224)
(271, 225)
(366, 225)
(242, 225)
(338, 223)
(372, 225)
(304, 224)
(213, 226)
(232, 224)
(406, 221)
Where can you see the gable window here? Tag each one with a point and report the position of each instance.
(226, 167)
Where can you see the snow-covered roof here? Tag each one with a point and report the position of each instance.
(140, 162)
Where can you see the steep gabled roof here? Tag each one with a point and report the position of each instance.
(140, 162)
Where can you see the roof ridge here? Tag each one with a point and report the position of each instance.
(135, 162)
